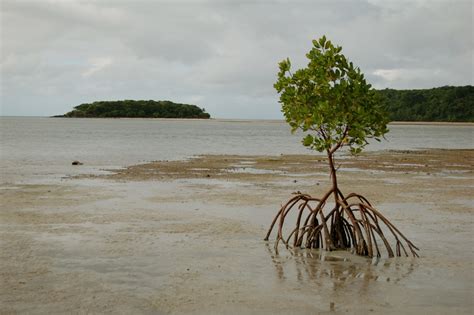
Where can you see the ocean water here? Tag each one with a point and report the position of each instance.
(35, 147)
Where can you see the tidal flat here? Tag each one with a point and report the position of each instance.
(186, 237)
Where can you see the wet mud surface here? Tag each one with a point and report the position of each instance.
(185, 237)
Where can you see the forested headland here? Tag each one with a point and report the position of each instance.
(137, 109)
(447, 103)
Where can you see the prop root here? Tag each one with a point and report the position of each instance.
(352, 223)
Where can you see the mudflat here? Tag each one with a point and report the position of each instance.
(186, 237)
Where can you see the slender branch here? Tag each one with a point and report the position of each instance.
(323, 134)
(341, 141)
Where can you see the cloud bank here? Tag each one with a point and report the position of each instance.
(221, 55)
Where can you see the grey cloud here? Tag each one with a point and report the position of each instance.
(222, 55)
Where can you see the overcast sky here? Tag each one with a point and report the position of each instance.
(220, 55)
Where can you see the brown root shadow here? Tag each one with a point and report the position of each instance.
(352, 224)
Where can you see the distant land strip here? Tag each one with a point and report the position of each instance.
(136, 109)
(442, 104)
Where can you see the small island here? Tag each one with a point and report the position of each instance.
(136, 109)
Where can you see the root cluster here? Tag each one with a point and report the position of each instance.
(352, 223)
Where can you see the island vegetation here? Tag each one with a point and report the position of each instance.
(137, 109)
(447, 103)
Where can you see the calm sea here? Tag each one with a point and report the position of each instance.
(33, 147)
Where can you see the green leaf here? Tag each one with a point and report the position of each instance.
(308, 140)
(322, 41)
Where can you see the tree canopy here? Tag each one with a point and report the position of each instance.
(447, 103)
(330, 101)
(137, 109)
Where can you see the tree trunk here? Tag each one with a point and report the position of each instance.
(337, 238)
(333, 174)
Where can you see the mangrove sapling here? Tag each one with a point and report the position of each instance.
(331, 102)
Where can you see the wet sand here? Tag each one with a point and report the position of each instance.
(185, 237)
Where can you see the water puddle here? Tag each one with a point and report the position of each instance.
(247, 162)
(252, 170)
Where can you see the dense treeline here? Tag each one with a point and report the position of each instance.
(446, 103)
(137, 109)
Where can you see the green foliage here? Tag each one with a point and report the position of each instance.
(330, 101)
(144, 109)
(447, 103)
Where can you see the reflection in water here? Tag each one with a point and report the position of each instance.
(339, 269)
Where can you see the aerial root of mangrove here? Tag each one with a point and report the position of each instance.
(351, 223)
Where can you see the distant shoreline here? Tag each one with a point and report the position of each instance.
(440, 123)
(113, 118)
(243, 120)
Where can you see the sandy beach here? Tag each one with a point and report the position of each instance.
(186, 237)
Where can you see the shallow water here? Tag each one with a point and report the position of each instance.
(201, 257)
(39, 147)
(195, 246)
